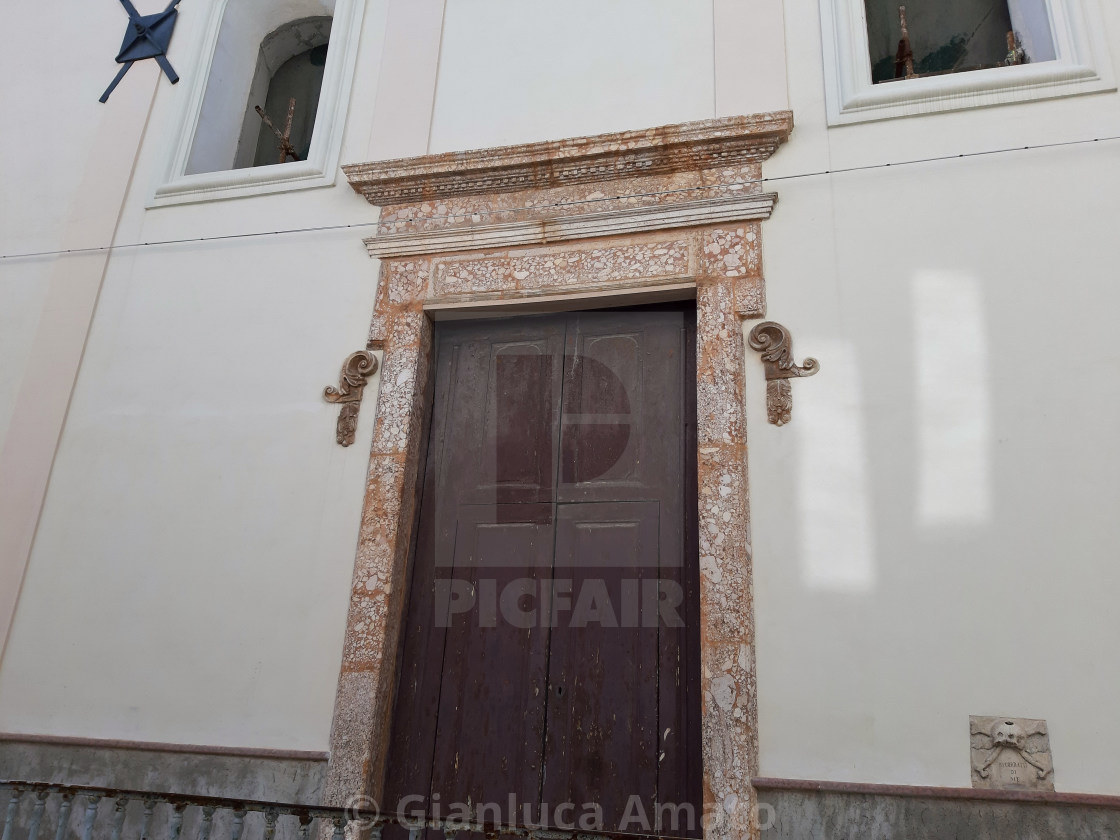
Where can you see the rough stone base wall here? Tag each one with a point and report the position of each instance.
(285, 778)
(262, 777)
(800, 815)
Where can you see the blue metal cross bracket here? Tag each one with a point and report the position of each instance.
(147, 36)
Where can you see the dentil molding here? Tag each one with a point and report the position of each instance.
(706, 144)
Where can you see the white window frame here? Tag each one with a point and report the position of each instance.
(320, 169)
(1082, 66)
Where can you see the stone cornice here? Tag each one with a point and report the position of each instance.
(584, 226)
(693, 146)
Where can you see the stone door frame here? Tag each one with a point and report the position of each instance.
(573, 224)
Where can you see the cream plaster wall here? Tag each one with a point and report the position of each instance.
(190, 571)
(556, 70)
(39, 183)
(49, 301)
(189, 580)
(934, 534)
(22, 294)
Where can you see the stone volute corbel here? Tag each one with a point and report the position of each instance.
(356, 369)
(775, 343)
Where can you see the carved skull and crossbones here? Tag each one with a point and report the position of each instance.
(1007, 734)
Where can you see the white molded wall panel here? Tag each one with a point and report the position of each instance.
(539, 70)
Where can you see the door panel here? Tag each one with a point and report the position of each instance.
(601, 736)
(622, 407)
(546, 651)
(505, 398)
(481, 411)
(499, 656)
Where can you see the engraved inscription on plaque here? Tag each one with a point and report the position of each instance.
(1010, 754)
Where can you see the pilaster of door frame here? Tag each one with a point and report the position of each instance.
(629, 213)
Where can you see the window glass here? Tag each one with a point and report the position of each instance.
(936, 37)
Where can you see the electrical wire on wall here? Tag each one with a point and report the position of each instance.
(589, 201)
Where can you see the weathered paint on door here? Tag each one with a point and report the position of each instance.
(551, 636)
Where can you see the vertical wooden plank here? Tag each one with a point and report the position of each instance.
(492, 698)
(680, 776)
(485, 525)
(601, 743)
(623, 442)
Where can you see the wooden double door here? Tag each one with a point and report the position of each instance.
(550, 651)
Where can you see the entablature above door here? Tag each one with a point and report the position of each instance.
(669, 205)
(662, 151)
(689, 175)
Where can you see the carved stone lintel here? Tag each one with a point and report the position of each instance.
(774, 342)
(665, 150)
(351, 383)
(580, 226)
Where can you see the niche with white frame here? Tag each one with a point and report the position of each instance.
(289, 70)
(962, 55)
(264, 52)
(955, 36)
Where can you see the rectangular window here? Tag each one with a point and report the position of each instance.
(262, 53)
(885, 58)
(935, 37)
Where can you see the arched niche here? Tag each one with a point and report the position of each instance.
(215, 115)
(290, 64)
(251, 44)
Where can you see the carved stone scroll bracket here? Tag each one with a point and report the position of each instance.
(775, 343)
(351, 383)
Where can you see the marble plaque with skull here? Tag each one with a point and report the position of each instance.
(1010, 754)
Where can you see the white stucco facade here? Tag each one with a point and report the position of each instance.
(933, 534)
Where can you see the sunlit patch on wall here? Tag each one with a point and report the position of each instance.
(953, 400)
(833, 498)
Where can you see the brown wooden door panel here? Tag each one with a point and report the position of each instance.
(622, 412)
(496, 656)
(601, 736)
(468, 432)
(554, 513)
(505, 400)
